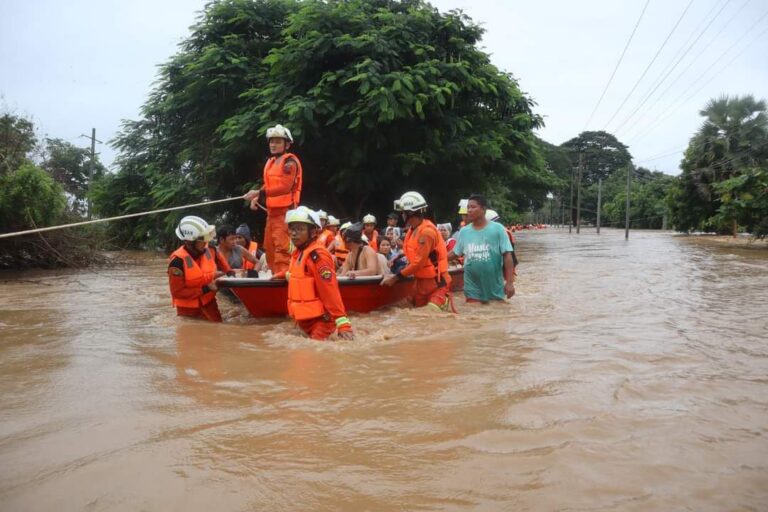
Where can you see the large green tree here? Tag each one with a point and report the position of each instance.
(70, 166)
(382, 96)
(732, 142)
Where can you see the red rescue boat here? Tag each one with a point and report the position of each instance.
(267, 298)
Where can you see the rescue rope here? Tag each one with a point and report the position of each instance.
(128, 216)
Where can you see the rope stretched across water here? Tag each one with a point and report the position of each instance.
(128, 216)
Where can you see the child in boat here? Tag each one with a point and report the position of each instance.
(361, 260)
(314, 300)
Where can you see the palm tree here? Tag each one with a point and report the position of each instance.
(734, 137)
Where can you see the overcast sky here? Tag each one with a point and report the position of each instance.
(79, 64)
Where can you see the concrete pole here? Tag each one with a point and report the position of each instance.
(599, 201)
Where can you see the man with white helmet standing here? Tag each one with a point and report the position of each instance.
(314, 300)
(282, 189)
(426, 254)
(192, 271)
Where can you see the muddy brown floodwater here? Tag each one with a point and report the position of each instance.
(623, 376)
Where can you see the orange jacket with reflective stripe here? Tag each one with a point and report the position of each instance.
(253, 248)
(197, 273)
(283, 189)
(313, 290)
(425, 249)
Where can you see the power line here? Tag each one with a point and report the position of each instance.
(649, 128)
(696, 58)
(616, 68)
(676, 63)
(650, 64)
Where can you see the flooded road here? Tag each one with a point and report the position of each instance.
(623, 376)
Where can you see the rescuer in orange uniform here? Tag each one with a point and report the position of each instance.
(369, 230)
(314, 301)
(427, 258)
(192, 271)
(327, 234)
(282, 189)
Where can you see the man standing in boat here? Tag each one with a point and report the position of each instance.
(314, 300)
(282, 190)
(192, 271)
(426, 254)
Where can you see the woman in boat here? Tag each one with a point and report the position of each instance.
(361, 260)
(445, 232)
(395, 259)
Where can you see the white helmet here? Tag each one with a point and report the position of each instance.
(463, 206)
(369, 219)
(322, 214)
(280, 132)
(491, 215)
(192, 228)
(333, 221)
(410, 202)
(302, 214)
(345, 226)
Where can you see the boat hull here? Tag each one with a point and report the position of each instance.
(265, 298)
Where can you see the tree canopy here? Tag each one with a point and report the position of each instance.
(382, 96)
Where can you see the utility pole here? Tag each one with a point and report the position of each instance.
(578, 194)
(599, 198)
(562, 212)
(91, 167)
(570, 209)
(664, 222)
(626, 218)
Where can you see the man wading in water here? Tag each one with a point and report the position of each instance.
(314, 300)
(489, 270)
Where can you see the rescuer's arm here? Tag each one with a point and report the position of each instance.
(321, 268)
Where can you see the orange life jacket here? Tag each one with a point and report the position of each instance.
(196, 276)
(373, 242)
(325, 238)
(341, 251)
(253, 248)
(273, 172)
(303, 300)
(438, 258)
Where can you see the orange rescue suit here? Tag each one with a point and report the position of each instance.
(325, 238)
(341, 251)
(373, 241)
(314, 300)
(282, 187)
(187, 287)
(428, 263)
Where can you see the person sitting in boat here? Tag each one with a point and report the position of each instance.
(392, 220)
(392, 233)
(338, 248)
(445, 232)
(192, 271)
(361, 260)
(244, 239)
(369, 230)
(233, 253)
(393, 260)
(314, 300)
(427, 257)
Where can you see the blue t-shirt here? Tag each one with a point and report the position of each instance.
(483, 252)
